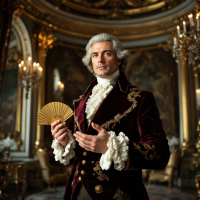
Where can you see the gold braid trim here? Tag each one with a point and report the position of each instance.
(75, 117)
(76, 120)
(134, 92)
(121, 195)
(100, 174)
(147, 148)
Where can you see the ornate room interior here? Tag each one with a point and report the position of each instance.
(42, 43)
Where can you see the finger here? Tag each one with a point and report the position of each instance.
(86, 147)
(85, 142)
(59, 126)
(53, 125)
(84, 136)
(97, 127)
(61, 131)
(60, 138)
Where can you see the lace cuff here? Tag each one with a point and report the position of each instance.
(117, 151)
(64, 155)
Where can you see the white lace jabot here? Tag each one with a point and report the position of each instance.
(99, 93)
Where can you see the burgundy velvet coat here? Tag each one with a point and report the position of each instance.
(134, 112)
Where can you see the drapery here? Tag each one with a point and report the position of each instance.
(6, 10)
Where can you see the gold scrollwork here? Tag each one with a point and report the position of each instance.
(147, 148)
(134, 92)
(120, 195)
(100, 174)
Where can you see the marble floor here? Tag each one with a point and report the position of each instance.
(157, 192)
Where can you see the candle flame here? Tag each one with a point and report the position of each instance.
(19, 65)
(184, 22)
(38, 64)
(40, 68)
(178, 27)
(34, 64)
(59, 83)
(22, 62)
(198, 91)
(24, 68)
(29, 58)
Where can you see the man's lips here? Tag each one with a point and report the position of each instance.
(101, 67)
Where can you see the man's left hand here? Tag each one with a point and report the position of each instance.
(93, 143)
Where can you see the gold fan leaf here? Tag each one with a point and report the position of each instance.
(54, 111)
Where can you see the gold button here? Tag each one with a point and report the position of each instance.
(79, 178)
(72, 183)
(98, 189)
(85, 153)
(76, 173)
(82, 172)
(84, 162)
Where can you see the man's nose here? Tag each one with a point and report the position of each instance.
(100, 58)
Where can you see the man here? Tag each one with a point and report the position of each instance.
(117, 129)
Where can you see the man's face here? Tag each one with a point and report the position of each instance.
(104, 60)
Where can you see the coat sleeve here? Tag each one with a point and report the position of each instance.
(152, 151)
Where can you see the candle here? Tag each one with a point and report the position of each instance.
(197, 18)
(178, 31)
(191, 20)
(175, 42)
(29, 61)
(34, 67)
(24, 70)
(40, 72)
(20, 68)
(184, 27)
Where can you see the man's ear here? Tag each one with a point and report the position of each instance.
(119, 62)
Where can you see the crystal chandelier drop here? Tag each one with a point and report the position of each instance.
(187, 42)
(29, 75)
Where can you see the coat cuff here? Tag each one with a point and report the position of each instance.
(64, 155)
(117, 151)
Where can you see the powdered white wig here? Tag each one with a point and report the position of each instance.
(120, 53)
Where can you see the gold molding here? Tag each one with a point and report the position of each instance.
(96, 4)
(132, 11)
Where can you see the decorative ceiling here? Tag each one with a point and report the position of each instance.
(114, 9)
(129, 20)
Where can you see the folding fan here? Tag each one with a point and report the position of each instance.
(54, 111)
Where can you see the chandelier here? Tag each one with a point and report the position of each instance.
(29, 75)
(187, 42)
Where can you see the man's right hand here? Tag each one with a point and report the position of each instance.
(60, 131)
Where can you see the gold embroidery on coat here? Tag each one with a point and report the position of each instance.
(121, 195)
(100, 174)
(134, 92)
(147, 148)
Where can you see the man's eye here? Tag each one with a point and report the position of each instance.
(107, 54)
(94, 55)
